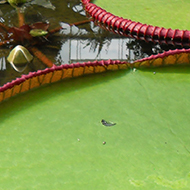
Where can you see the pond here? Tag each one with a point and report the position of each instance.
(114, 130)
(81, 43)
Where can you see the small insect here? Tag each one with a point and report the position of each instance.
(107, 123)
(104, 143)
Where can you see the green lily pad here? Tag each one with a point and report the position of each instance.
(163, 13)
(52, 137)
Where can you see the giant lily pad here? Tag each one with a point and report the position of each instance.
(52, 137)
(165, 13)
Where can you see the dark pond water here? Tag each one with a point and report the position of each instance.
(80, 43)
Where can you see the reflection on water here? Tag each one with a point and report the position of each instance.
(72, 44)
(2, 63)
(94, 45)
(98, 44)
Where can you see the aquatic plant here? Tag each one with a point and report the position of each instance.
(29, 35)
(107, 21)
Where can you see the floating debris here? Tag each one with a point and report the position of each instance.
(134, 69)
(107, 123)
(78, 140)
(19, 56)
(154, 73)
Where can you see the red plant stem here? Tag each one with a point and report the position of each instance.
(20, 17)
(41, 56)
(81, 22)
(73, 24)
(4, 27)
(55, 30)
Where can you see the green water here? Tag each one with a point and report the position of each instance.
(148, 148)
(163, 13)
